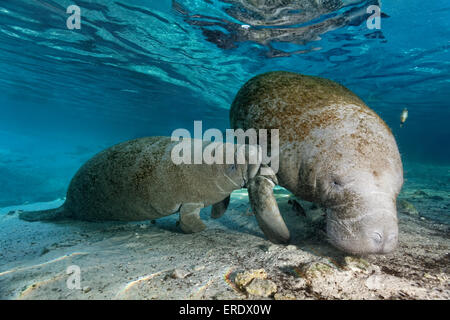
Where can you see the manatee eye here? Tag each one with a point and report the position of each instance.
(336, 182)
(232, 168)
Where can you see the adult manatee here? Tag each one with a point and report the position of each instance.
(334, 151)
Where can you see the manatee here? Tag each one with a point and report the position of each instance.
(138, 180)
(334, 151)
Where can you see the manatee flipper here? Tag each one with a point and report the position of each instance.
(219, 208)
(45, 215)
(262, 200)
(190, 221)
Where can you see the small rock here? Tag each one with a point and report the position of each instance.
(299, 283)
(261, 287)
(403, 294)
(291, 247)
(273, 247)
(87, 289)
(179, 274)
(316, 269)
(357, 264)
(244, 278)
(199, 268)
(428, 276)
(280, 296)
(406, 207)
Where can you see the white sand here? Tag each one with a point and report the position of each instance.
(135, 260)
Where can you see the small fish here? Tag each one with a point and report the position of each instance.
(297, 207)
(403, 117)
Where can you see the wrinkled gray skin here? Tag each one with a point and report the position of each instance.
(137, 180)
(334, 151)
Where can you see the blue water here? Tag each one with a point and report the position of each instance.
(139, 68)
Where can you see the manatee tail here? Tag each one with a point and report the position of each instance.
(45, 215)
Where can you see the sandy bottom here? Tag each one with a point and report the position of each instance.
(137, 260)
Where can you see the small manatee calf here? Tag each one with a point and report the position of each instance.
(138, 180)
(334, 151)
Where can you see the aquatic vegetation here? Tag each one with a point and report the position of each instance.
(407, 207)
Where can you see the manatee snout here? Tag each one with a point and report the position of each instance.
(365, 231)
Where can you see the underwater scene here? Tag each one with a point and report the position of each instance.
(224, 149)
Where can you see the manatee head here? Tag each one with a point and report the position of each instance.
(361, 210)
(355, 171)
